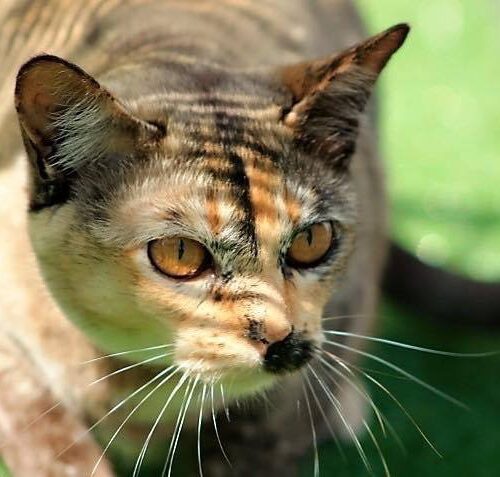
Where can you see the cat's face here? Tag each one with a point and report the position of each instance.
(220, 222)
(222, 238)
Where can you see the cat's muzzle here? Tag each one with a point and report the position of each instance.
(288, 355)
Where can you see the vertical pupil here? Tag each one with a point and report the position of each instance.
(309, 237)
(181, 249)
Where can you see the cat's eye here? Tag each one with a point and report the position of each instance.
(311, 246)
(178, 257)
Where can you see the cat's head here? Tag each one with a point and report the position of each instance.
(210, 210)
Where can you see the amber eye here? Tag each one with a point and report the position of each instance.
(178, 257)
(311, 246)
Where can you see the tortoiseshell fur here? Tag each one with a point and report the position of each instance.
(188, 126)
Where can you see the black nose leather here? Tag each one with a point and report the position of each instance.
(288, 355)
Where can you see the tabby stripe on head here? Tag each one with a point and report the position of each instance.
(238, 112)
(213, 216)
(264, 183)
(211, 151)
(230, 133)
(215, 98)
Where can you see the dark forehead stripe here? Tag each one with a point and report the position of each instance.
(237, 123)
(229, 131)
(225, 139)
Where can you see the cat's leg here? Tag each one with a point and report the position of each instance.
(31, 437)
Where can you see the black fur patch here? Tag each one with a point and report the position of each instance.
(288, 355)
(256, 331)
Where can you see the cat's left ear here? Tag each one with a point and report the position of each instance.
(65, 113)
(68, 121)
(329, 95)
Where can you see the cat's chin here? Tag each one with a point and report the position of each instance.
(246, 383)
(237, 382)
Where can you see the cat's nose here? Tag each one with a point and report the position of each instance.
(288, 355)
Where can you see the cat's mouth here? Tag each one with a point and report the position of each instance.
(251, 370)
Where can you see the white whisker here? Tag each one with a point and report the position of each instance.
(113, 437)
(184, 397)
(325, 418)
(379, 450)
(33, 422)
(361, 370)
(398, 403)
(115, 408)
(142, 454)
(224, 405)
(93, 383)
(338, 408)
(413, 347)
(200, 418)
(313, 430)
(358, 390)
(344, 317)
(403, 372)
(407, 414)
(181, 424)
(129, 367)
(123, 353)
(214, 419)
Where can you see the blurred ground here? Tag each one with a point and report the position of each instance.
(440, 111)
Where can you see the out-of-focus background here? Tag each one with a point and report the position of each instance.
(440, 135)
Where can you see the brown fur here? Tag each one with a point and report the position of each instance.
(202, 131)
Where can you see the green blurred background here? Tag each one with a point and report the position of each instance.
(440, 135)
(440, 131)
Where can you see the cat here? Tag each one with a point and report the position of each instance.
(203, 187)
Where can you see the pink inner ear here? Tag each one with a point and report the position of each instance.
(42, 102)
(37, 105)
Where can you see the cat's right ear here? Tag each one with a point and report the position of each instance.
(69, 120)
(328, 95)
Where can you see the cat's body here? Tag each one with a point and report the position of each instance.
(208, 48)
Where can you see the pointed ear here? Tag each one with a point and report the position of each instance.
(328, 95)
(68, 121)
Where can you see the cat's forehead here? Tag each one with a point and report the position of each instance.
(227, 173)
(221, 124)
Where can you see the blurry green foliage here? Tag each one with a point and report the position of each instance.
(441, 129)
